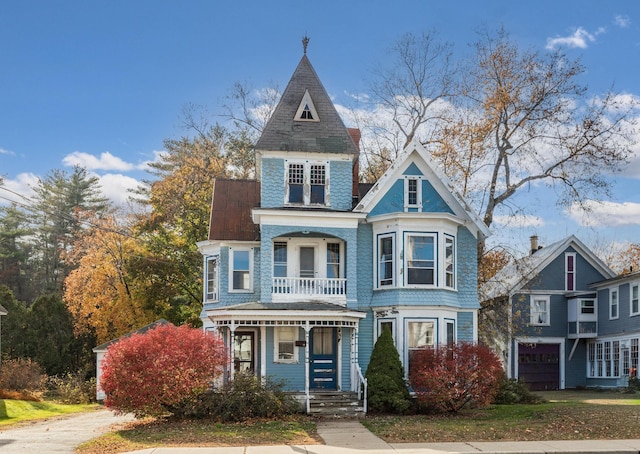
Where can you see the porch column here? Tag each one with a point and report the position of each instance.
(232, 347)
(263, 353)
(354, 358)
(307, 328)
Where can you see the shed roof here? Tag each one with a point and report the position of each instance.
(231, 210)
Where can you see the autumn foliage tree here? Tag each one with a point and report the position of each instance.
(449, 378)
(146, 374)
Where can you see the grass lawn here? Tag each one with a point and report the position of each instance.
(16, 411)
(578, 416)
(155, 433)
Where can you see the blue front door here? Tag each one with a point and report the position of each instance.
(324, 364)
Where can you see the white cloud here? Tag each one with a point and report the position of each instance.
(519, 221)
(4, 151)
(580, 39)
(106, 161)
(605, 214)
(622, 21)
(116, 187)
(18, 189)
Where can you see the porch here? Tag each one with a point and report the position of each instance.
(311, 346)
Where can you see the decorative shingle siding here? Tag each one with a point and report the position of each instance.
(230, 298)
(393, 200)
(273, 184)
(467, 269)
(340, 185)
(465, 327)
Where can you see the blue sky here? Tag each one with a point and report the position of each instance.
(102, 83)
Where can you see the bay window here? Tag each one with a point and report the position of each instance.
(420, 260)
(212, 279)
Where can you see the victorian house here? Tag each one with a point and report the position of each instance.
(305, 266)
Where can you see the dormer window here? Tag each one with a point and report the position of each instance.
(306, 111)
(307, 183)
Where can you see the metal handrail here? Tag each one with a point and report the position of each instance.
(361, 384)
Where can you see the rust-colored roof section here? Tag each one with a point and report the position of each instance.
(231, 210)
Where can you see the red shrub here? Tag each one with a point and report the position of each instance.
(144, 374)
(446, 379)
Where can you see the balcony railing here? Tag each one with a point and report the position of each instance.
(309, 286)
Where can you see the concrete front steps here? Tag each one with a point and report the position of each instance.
(336, 404)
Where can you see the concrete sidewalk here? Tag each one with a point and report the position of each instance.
(351, 437)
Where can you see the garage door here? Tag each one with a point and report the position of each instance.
(539, 366)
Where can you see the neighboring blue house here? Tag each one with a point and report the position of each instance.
(302, 271)
(569, 321)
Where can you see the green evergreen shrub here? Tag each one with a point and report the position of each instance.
(387, 389)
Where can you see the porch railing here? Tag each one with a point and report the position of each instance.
(361, 387)
(309, 286)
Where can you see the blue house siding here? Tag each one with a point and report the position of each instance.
(291, 374)
(273, 184)
(227, 298)
(624, 323)
(340, 185)
(575, 369)
(393, 200)
(467, 269)
(464, 326)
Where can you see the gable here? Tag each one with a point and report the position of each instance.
(437, 195)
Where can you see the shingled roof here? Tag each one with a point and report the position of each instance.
(231, 210)
(283, 133)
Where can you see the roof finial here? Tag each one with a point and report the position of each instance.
(305, 43)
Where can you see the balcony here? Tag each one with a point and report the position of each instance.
(582, 329)
(305, 288)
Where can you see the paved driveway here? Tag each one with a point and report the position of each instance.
(58, 435)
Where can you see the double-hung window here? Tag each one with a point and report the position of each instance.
(540, 310)
(386, 263)
(280, 259)
(570, 271)
(412, 193)
(449, 262)
(212, 279)
(420, 259)
(420, 334)
(333, 260)
(613, 304)
(635, 303)
(307, 183)
(241, 269)
(285, 344)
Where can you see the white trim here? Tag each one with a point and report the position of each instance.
(617, 303)
(276, 344)
(311, 219)
(418, 204)
(547, 300)
(308, 102)
(566, 270)
(250, 251)
(206, 291)
(306, 182)
(394, 260)
(631, 286)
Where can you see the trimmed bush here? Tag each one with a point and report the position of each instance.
(243, 398)
(449, 378)
(387, 390)
(72, 389)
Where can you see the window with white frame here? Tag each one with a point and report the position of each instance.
(449, 262)
(412, 192)
(279, 259)
(587, 306)
(603, 359)
(420, 259)
(212, 279)
(613, 304)
(386, 260)
(540, 310)
(285, 344)
(633, 360)
(333, 260)
(634, 308)
(307, 183)
(420, 334)
(570, 271)
(241, 267)
(387, 323)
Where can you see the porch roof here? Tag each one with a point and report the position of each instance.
(311, 313)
